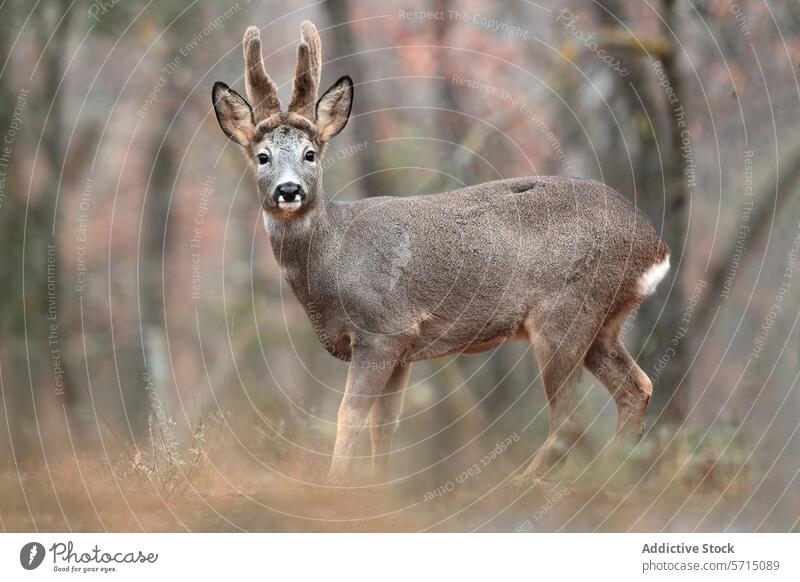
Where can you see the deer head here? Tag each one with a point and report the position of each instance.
(285, 148)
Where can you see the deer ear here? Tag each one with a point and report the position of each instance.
(333, 108)
(234, 114)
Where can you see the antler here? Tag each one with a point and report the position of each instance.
(261, 90)
(307, 72)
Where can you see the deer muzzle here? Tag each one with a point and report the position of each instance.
(289, 196)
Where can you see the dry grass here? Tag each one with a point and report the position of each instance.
(688, 486)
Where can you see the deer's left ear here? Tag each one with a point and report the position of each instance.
(234, 114)
(333, 108)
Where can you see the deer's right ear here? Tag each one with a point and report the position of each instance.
(234, 114)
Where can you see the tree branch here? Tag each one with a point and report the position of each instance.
(784, 185)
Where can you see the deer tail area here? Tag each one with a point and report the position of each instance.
(650, 279)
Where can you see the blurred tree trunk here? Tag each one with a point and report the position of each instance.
(469, 417)
(668, 403)
(156, 251)
(448, 130)
(166, 142)
(53, 145)
(368, 166)
(35, 330)
(16, 405)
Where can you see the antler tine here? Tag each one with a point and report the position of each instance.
(308, 33)
(307, 72)
(261, 90)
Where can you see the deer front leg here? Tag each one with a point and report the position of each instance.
(384, 418)
(366, 380)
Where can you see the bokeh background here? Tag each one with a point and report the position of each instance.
(157, 374)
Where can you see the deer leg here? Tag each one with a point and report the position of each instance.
(366, 380)
(561, 370)
(384, 417)
(628, 384)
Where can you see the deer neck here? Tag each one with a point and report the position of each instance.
(294, 243)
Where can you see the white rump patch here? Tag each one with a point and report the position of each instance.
(652, 277)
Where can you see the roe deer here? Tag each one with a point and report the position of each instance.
(558, 262)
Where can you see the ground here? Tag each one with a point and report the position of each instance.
(97, 495)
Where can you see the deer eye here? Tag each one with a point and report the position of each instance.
(263, 158)
(310, 156)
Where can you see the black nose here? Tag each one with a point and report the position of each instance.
(288, 191)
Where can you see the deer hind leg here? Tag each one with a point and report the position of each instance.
(561, 366)
(629, 386)
(366, 380)
(384, 417)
